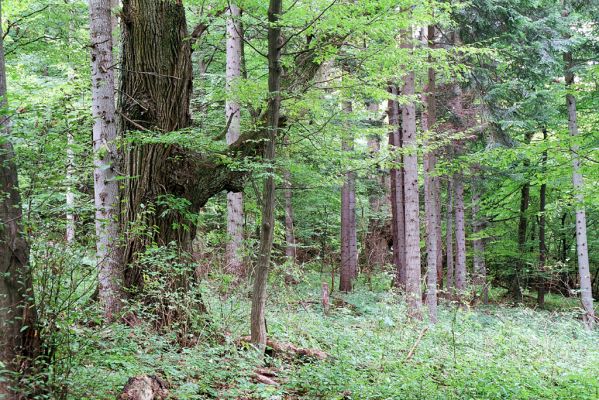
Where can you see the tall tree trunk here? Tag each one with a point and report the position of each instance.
(70, 182)
(397, 192)
(479, 278)
(233, 256)
(411, 195)
(542, 241)
(582, 251)
(106, 189)
(449, 237)
(19, 342)
(460, 234)
(349, 252)
(376, 242)
(290, 245)
(516, 284)
(430, 182)
(258, 318)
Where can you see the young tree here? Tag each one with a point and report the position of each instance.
(258, 318)
(479, 278)
(449, 237)
(290, 245)
(542, 218)
(233, 256)
(19, 342)
(106, 190)
(411, 193)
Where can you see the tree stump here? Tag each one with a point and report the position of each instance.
(145, 387)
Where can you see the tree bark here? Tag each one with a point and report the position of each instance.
(233, 257)
(376, 242)
(582, 251)
(397, 192)
(258, 319)
(106, 190)
(516, 284)
(411, 194)
(349, 251)
(460, 234)
(430, 182)
(479, 278)
(19, 341)
(290, 245)
(449, 237)
(542, 240)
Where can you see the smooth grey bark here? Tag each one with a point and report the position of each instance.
(233, 256)
(349, 250)
(258, 318)
(411, 194)
(19, 341)
(106, 190)
(582, 251)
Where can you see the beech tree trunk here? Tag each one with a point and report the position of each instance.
(411, 195)
(430, 183)
(258, 319)
(290, 245)
(233, 257)
(19, 341)
(516, 285)
(449, 237)
(106, 190)
(349, 249)
(396, 192)
(479, 278)
(582, 251)
(542, 240)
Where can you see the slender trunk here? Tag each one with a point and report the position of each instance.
(106, 189)
(449, 237)
(411, 196)
(430, 182)
(397, 197)
(460, 234)
(376, 243)
(70, 170)
(349, 250)
(479, 278)
(233, 257)
(517, 283)
(258, 318)
(439, 229)
(582, 251)
(542, 242)
(290, 245)
(19, 341)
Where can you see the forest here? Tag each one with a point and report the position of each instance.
(299, 199)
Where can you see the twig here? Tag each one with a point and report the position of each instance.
(415, 345)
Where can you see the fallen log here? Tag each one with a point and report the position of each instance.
(288, 349)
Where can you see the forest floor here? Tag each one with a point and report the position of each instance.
(489, 352)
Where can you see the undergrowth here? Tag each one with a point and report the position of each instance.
(491, 352)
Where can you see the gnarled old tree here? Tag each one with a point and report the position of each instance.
(19, 342)
(154, 97)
